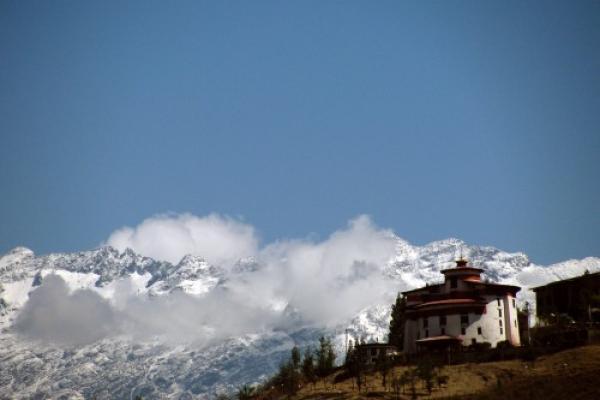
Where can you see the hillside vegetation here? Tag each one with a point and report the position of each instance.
(570, 374)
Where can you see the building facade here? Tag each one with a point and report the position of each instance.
(461, 311)
(576, 298)
(371, 352)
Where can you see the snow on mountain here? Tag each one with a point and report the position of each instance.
(15, 265)
(192, 275)
(117, 367)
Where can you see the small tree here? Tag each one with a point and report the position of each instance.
(426, 372)
(356, 366)
(349, 350)
(325, 357)
(383, 365)
(296, 358)
(330, 358)
(308, 367)
(290, 378)
(404, 379)
(245, 392)
(408, 377)
(397, 322)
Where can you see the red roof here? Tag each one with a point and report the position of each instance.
(462, 269)
(448, 301)
(442, 338)
(424, 288)
(497, 285)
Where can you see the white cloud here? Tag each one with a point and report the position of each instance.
(54, 314)
(324, 281)
(218, 239)
(330, 281)
(320, 283)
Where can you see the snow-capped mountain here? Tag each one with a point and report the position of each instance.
(122, 365)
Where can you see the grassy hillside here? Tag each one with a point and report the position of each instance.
(571, 374)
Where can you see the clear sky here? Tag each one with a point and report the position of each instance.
(477, 120)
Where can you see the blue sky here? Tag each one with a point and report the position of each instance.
(476, 120)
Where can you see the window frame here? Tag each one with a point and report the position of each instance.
(453, 282)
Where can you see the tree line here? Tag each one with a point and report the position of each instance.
(305, 368)
(298, 370)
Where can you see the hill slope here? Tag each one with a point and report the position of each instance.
(568, 374)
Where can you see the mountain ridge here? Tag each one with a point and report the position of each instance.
(158, 369)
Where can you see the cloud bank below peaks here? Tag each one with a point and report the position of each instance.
(330, 281)
(54, 314)
(323, 281)
(297, 283)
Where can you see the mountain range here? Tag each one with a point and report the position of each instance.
(165, 330)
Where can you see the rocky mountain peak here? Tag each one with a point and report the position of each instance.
(239, 359)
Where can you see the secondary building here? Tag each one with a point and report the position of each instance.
(371, 352)
(576, 298)
(463, 310)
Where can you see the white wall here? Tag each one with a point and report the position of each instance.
(489, 322)
(512, 320)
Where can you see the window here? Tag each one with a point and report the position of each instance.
(426, 332)
(515, 323)
(514, 303)
(442, 320)
(373, 352)
(418, 335)
(501, 331)
(473, 341)
(464, 319)
(453, 283)
(425, 322)
(500, 323)
(479, 330)
(498, 301)
(500, 312)
(463, 331)
(443, 331)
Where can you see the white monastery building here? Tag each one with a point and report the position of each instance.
(461, 311)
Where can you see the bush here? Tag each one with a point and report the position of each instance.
(560, 337)
(480, 347)
(503, 345)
